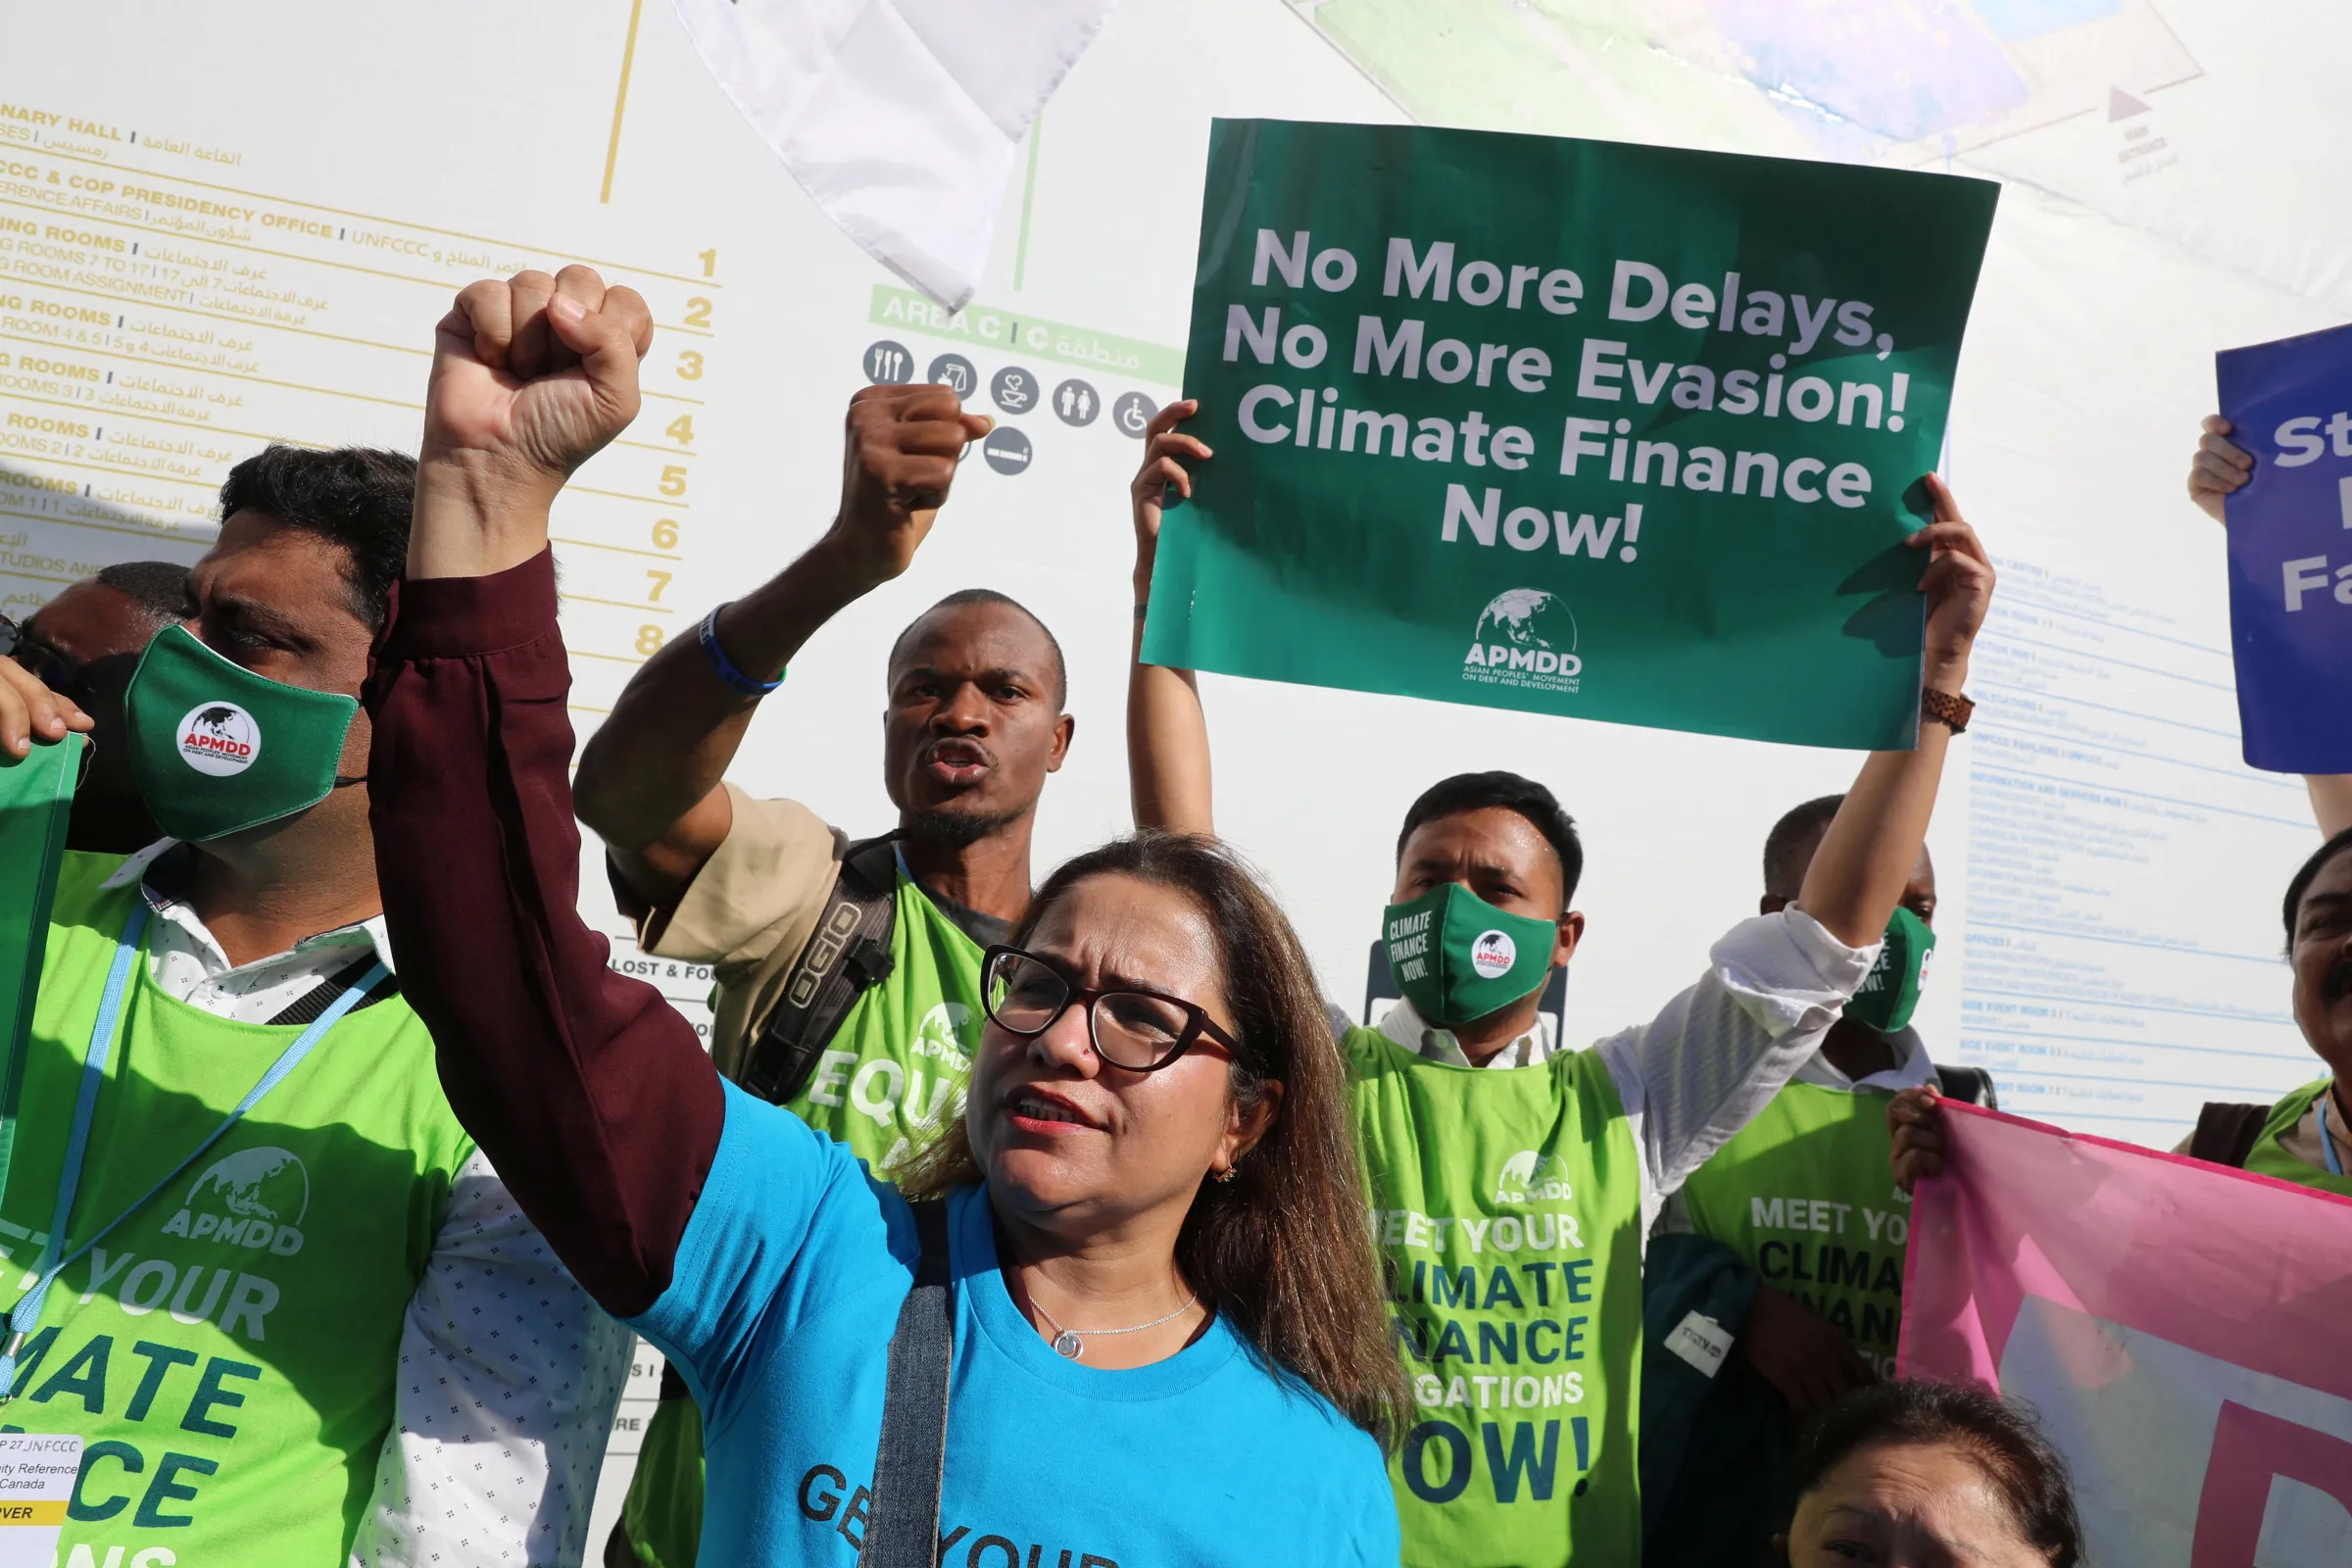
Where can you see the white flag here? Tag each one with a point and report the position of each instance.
(900, 117)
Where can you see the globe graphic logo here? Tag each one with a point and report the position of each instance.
(1529, 618)
(218, 739)
(948, 1032)
(268, 1184)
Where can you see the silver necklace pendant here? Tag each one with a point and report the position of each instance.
(1069, 1347)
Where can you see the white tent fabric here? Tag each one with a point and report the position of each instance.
(901, 118)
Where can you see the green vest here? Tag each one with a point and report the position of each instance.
(890, 1078)
(1805, 1194)
(1507, 1206)
(2269, 1160)
(229, 1354)
(893, 1074)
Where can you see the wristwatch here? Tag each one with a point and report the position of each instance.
(1945, 708)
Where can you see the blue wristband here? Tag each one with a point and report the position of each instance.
(725, 667)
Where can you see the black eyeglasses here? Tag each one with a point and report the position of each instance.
(52, 669)
(1141, 1031)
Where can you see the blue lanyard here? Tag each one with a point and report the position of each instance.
(2336, 1162)
(55, 1260)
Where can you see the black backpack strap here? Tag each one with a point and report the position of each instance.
(846, 953)
(1970, 1086)
(307, 1007)
(2227, 1134)
(901, 1528)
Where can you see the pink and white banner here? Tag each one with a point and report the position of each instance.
(2185, 1332)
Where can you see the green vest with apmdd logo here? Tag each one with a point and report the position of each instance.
(1805, 1194)
(894, 1072)
(229, 1353)
(1506, 1206)
(2269, 1157)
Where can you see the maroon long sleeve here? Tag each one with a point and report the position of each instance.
(588, 1093)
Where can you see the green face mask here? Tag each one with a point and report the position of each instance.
(1890, 993)
(217, 749)
(1456, 956)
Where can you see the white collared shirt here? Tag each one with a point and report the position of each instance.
(1911, 1068)
(1714, 1055)
(187, 963)
(1405, 1025)
(509, 1374)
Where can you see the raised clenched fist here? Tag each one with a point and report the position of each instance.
(531, 378)
(901, 446)
(534, 375)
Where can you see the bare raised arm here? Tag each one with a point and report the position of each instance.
(2217, 468)
(649, 779)
(1866, 856)
(1167, 732)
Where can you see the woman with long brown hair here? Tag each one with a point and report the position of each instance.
(1165, 1319)
(1126, 1184)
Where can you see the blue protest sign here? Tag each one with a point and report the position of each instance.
(2291, 550)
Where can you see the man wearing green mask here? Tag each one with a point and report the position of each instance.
(1825, 1137)
(229, 1112)
(1810, 1312)
(1512, 1182)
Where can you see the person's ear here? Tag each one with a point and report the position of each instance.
(1780, 1543)
(1771, 903)
(1244, 1129)
(1571, 932)
(1063, 728)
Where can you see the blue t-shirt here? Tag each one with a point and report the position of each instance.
(779, 1315)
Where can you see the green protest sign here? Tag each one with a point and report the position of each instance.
(1580, 427)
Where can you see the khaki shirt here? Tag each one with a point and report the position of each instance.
(747, 913)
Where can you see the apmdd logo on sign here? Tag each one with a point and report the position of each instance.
(1526, 637)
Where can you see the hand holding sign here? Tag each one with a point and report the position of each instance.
(2287, 423)
(30, 711)
(1915, 1119)
(1168, 735)
(2220, 468)
(1958, 584)
(1161, 471)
